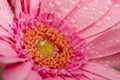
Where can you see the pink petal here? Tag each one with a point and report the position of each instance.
(87, 14)
(55, 78)
(18, 7)
(33, 76)
(12, 2)
(4, 32)
(91, 76)
(104, 45)
(107, 21)
(10, 60)
(70, 78)
(79, 13)
(60, 7)
(34, 8)
(6, 50)
(100, 72)
(113, 60)
(31, 7)
(17, 72)
(6, 15)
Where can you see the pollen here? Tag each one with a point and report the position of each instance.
(47, 46)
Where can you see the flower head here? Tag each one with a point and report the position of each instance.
(44, 42)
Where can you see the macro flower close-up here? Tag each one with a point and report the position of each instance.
(60, 39)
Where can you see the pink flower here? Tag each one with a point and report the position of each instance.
(60, 39)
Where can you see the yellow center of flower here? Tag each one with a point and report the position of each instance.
(47, 47)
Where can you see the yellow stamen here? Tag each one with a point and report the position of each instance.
(45, 48)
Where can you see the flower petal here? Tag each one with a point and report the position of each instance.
(88, 14)
(55, 78)
(6, 15)
(6, 50)
(17, 72)
(104, 45)
(4, 32)
(34, 8)
(10, 60)
(113, 60)
(31, 7)
(33, 76)
(18, 8)
(106, 22)
(70, 78)
(81, 14)
(60, 7)
(100, 72)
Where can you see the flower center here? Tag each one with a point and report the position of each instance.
(47, 47)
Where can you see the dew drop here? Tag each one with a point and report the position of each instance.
(117, 5)
(58, 2)
(66, 9)
(117, 40)
(72, 1)
(96, 53)
(102, 43)
(57, 12)
(85, 8)
(114, 60)
(101, 12)
(93, 8)
(108, 18)
(92, 17)
(118, 75)
(106, 68)
(109, 2)
(111, 41)
(73, 20)
(106, 7)
(88, 48)
(98, 23)
(95, 1)
(51, 4)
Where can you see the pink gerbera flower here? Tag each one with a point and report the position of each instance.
(60, 39)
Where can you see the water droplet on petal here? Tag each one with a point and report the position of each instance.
(93, 8)
(101, 12)
(57, 12)
(66, 9)
(72, 1)
(95, 1)
(111, 41)
(73, 20)
(106, 68)
(102, 43)
(117, 40)
(96, 53)
(106, 7)
(58, 2)
(109, 2)
(85, 8)
(92, 17)
(117, 5)
(118, 75)
(98, 23)
(51, 4)
(108, 18)
(88, 48)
